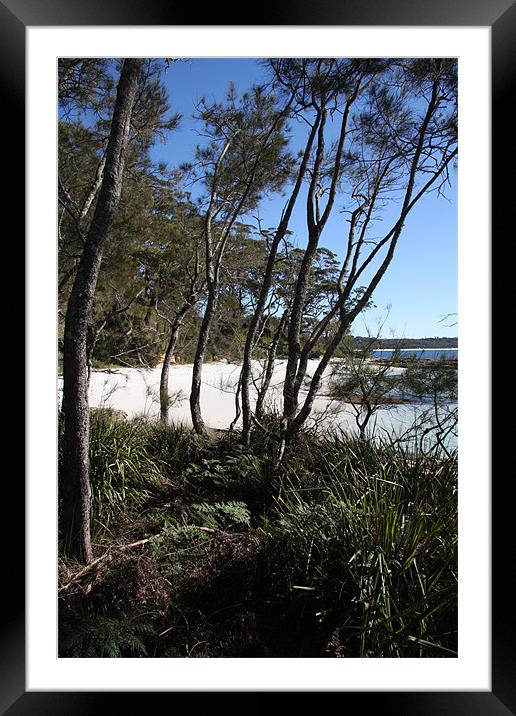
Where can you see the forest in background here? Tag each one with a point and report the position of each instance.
(305, 545)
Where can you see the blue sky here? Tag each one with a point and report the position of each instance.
(420, 287)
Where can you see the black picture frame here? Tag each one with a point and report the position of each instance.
(500, 16)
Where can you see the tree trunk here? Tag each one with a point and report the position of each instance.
(269, 369)
(164, 399)
(202, 342)
(315, 225)
(292, 422)
(292, 385)
(238, 409)
(266, 286)
(75, 521)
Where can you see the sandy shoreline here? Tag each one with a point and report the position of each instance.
(136, 392)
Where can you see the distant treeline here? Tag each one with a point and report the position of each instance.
(436, 342)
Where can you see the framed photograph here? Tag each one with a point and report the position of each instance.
(478, 679)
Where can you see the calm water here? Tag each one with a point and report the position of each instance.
(421, 353)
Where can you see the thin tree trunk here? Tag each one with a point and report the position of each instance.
(75, 443)
(316, 221)
(315, 225)
(164, 399)
(295, 424)
(291, 387)
(202, 342)
(269, 369)
(266, 286)
(214, 257)
(97, 183)
(238, 409)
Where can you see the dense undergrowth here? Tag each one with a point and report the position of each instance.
(204, 551)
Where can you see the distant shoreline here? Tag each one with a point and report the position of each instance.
(437, 343)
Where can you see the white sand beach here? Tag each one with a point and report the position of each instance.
(136, 392)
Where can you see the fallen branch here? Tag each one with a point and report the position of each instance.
(107, 556)
(211, 530)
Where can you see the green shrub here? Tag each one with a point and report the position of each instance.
(102, 636)
(221, 515)
(355, 554)
(177, 547)
(123, 472)
(235, 466)
(175, 446)
(376, 546)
